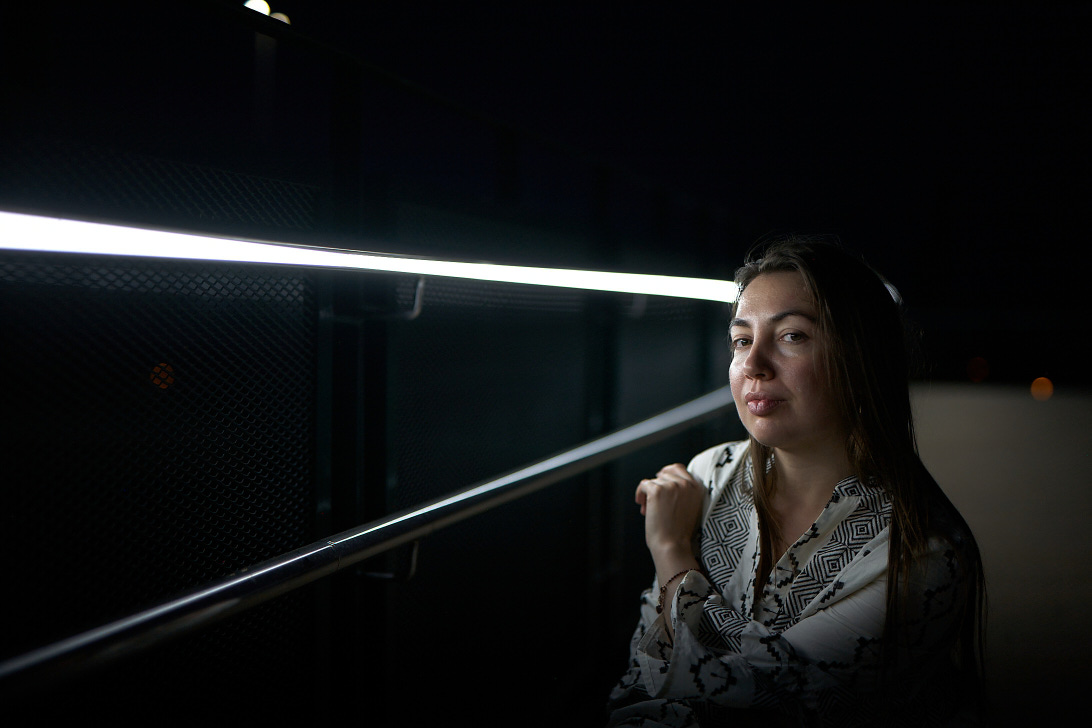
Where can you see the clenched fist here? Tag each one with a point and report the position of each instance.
(672, 506)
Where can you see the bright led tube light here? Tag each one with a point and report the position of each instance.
(20, 231)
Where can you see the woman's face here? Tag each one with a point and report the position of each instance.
(776, 373)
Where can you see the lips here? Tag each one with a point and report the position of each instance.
(760, 404)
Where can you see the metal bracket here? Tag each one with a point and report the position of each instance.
(374, 313)
(418, 302)
(404, 567)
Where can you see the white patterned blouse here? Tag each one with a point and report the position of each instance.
(808, 653)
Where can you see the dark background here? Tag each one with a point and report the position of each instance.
(946, 142)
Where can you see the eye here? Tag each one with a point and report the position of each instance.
(738, 342)
(794, 337)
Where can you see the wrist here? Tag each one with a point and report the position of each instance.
(669, 586)
(671, 556)
(664, 587)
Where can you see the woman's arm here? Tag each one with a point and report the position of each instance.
(672, 504)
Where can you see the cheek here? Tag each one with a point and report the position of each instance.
(808, 379)
(736, 381)
(823, 403)
(803, 375)
(735, 376)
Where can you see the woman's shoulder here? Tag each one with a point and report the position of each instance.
(719, 458)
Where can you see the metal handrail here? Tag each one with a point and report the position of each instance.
(294, 569)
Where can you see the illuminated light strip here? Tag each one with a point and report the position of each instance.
(55, 235)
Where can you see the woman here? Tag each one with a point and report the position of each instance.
(815, 573)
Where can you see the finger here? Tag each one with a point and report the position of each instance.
(678, 473)
(677, 469)
(646, 489)
(641, 495)
(673, 478)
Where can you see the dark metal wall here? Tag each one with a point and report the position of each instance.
(167, 423)
(159, 433)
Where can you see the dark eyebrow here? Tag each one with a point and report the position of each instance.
(776, 317)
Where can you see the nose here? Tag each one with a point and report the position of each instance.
(756, 364)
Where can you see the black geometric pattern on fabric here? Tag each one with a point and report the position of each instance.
(723, 539)
(720, 628)
(871, 516)
(725, 532)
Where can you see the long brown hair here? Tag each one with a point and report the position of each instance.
(867, 367)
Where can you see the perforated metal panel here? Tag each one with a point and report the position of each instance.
(488, 377)
(159, 432)
(113, 181)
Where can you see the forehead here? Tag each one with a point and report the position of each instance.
(775, 294)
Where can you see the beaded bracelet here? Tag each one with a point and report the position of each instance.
(663, 589)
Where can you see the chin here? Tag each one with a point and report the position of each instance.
(764, 438)
(771, 437)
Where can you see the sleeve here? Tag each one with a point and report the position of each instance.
(823, 663)
(722, 656)
(631, 688)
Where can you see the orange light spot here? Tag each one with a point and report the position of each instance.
(1042, 388)
(162, 375)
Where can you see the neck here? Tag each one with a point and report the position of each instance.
(810, 477)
